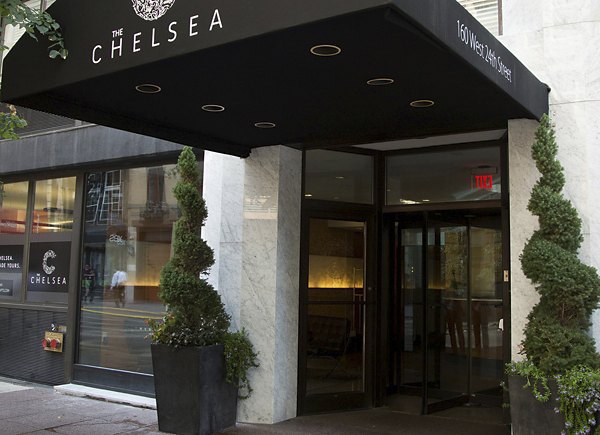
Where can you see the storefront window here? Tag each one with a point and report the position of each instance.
(49, 264)
(471, 174)
(129, 217)
(54, 205)
(13, 207)
(13, 217)
(337, 176)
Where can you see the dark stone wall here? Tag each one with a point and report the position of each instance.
(79, 149)
(21, 352)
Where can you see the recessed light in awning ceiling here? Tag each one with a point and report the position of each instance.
(148, 88)
(265, 125)
(213, 108)
(325, 50)
(422, 103)
(382, 81)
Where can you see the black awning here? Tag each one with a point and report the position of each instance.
(253, 57)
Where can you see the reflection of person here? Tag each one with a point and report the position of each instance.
(454, 322)
(118, 285)
(454, 312)
(87, 283)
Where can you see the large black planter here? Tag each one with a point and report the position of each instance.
(529, 416)
(192, 396)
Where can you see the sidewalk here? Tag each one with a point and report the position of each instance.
(36, 409)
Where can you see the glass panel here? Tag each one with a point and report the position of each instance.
(335, 358)
(486, 305)
(337, 176)
(445, 176)
(129, 217)
(54, 204)
(407, 341)
(447, 311)
(411, 316)
(11, 272)
(48, 272)
(13, 207)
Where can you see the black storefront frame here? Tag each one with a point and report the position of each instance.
(376, 371)
(102, 377)
(71, 331)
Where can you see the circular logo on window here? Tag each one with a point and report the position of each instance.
(47, 255)
(151, 10)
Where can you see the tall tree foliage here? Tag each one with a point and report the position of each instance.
(556, 336)
(195, 313)
(35, 22)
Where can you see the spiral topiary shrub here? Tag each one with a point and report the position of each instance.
(556, 344)
(195, 315)
(556, 337)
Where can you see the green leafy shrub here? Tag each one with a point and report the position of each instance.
(241, 357)
(195, 313)
(579, 399)
(535, 379)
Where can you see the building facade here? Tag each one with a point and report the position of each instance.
(380, 272)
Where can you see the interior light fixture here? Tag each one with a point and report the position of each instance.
(339, 177)
(148, 88)
(213, 108)
(422, 103)
(265, 125)
(308, 195)
(426, 200)
(381, 81)
(325, 50)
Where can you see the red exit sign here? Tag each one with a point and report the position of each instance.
(484, 181)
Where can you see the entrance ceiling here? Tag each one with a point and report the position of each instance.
(254, 59)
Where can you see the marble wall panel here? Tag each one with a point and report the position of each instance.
(560, 12)
(563, 52)
(223, 191)
(522, 177)
(522, 16)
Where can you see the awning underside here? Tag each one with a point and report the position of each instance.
(313, 101)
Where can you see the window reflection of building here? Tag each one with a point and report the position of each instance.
(54, 205)
(13, 207)
(129, 221)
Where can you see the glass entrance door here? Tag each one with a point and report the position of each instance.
(334, 361)
(446, 320)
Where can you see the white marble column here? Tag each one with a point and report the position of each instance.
(224, 195)
(522, 175)
(270, 280)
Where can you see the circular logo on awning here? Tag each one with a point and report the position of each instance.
(151, 10)
(47, 255)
